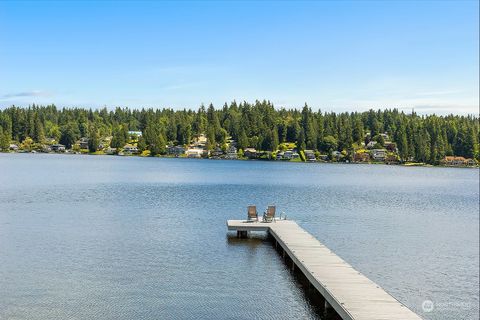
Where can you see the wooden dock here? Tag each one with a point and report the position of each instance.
(351, 294)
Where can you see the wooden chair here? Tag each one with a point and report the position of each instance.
(269, 215)
(252, 214)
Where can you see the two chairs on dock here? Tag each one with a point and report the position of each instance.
(268, 215)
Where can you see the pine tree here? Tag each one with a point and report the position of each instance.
(93, 139)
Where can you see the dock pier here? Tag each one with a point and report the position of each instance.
(351, 294)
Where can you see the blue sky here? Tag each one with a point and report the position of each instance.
(337, 56)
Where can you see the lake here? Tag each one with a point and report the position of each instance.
(145, 238)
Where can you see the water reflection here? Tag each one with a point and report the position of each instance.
(313, 298)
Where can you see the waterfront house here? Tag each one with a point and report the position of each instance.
(194, 153)
(13, 147)
(288, 155)
(201, 139)
(217, 153)
(310, 156)
(58, 147)
(129, 149)
(453, 161)
(135, 133)
(323, 157)
(470, 162)
(361, 157)
(110, 150)
(250, 152)
(175, 150)
(83, 143)
(379, 154)
(231, 152)
(280, 155)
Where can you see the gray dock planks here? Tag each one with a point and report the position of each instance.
(349, 292)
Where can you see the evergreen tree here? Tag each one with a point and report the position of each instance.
(4, 140)
(38, 132)
(119, 138)
(69, 134)
(93, 139)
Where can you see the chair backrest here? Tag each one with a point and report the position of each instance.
(252, 211)
(271, 211)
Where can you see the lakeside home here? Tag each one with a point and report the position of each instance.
(379, 154)
(135, 133)
(130, 149)
(195, 153)
(231, 153)
(453, 161)
(310, 156)
(83, 143)
(58, 147)
(176, 150)
(250, 152)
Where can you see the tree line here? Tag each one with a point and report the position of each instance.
(425, 138)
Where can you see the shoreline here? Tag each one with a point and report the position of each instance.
(407, 164)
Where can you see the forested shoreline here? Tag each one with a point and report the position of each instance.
(421, 138)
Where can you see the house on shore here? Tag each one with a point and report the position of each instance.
(58, 147)
(453, 161)
(129, 149)
(13, 147)
(135, 133)
(309, 155)
(195, 153)
(250, 153)
(379, 154)
(83, 143)
(110, 150)
(231, 153)
(176, 151)
(216, 153)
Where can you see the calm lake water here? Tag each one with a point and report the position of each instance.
(145, 238)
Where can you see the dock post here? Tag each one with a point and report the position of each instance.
(327, 306)
(242, 234)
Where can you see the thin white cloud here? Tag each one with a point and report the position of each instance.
(24, 94)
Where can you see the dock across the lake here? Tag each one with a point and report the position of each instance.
(351, 294)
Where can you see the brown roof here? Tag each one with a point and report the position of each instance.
(452, 158)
